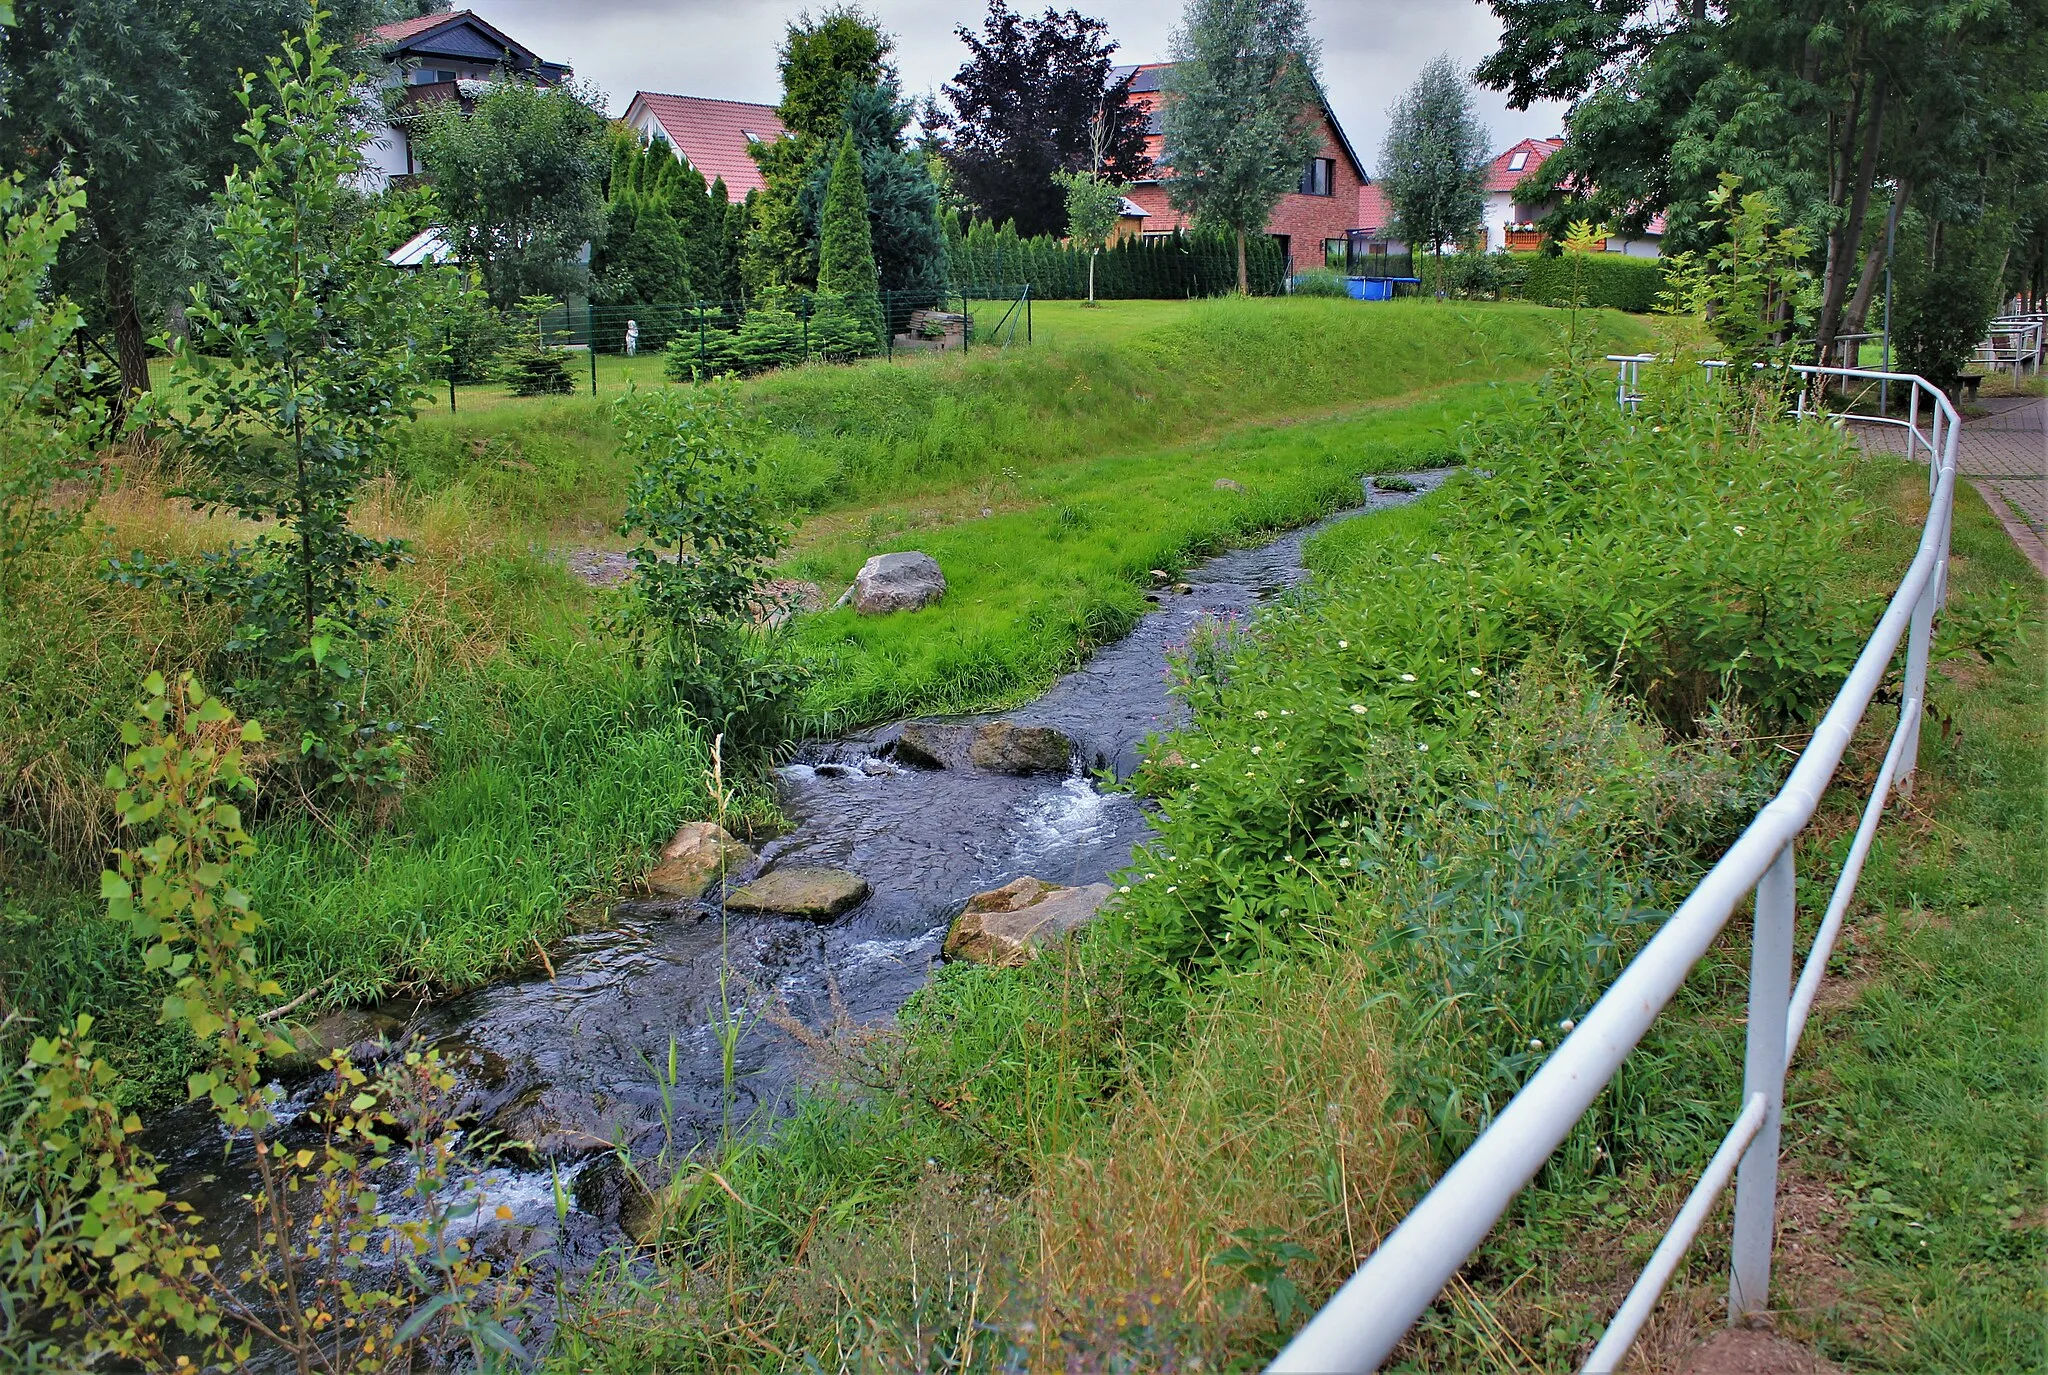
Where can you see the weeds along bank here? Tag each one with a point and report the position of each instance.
(554, 761)
(1423, 814)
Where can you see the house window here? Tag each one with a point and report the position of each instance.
(1519, 161)
(1317, 176)
(1336, 253)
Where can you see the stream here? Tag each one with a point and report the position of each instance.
(578, 1057)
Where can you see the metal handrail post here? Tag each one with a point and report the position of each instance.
(1913, 423)
(1756, 1178)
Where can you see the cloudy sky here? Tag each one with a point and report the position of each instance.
(726, 48)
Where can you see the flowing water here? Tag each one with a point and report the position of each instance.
(621, 1042)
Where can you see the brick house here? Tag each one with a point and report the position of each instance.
(712, 136)
(1309, 223)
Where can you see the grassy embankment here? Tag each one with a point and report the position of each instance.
(1364, 924)
(553, 769)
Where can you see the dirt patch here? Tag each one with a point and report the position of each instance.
(1754, 1351)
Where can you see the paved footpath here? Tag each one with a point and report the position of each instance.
(2005, 455)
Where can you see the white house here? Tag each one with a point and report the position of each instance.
(1506, 222)
(1510, 223)
(431, 59)
(712, 136)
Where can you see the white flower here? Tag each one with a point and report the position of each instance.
(1357, 709)
(1260, 714)
(1343, 644)
(1344, 863)
(1301, 780)
(1475, 673)
(1173, 888)
(1285, 712)
(1471, 692)
(1151, 876)
(1423, 747)
(1535, 1044)
(1256, 750)
(1439, 558)
(1407, 677)
(1567, 1026)
(1741, 529)
(1123, 888)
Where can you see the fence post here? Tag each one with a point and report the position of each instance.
(1027, 311)
(448, 347)
(703, 360)
(1756, 1179)
(590, 327)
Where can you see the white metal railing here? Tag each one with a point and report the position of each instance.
(2016, 341)
(1369, 1315)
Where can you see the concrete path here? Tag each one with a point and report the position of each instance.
(2004, 454)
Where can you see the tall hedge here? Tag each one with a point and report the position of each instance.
(1611, 280)
(990, 257)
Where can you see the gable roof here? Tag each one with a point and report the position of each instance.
(1375, 212)
(713, 136)
(1500, 176)
(1147, 80)
(461, 34)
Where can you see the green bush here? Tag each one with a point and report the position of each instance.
(1484, 276)
(1612, 280)
(1318, 281)
(775, 336)
(538, 372)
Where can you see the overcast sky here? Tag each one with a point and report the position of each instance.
(726, 48)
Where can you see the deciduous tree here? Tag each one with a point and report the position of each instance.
(1240, 113)
(1831, 104)
(518, 181)
(1093, 203)
(304, 359)
(1033, 100)
(138, 98)
(1433, 163)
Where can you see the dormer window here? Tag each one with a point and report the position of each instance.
(1518, 161)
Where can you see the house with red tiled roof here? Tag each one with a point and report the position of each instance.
(1506, 222)
(432, 59)
(713, 136)
(1314, 223)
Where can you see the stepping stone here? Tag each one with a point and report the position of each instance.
(817, 893)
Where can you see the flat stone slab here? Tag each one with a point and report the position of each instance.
(1008, 926)
(817, 893)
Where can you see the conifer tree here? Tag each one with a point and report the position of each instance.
(846, 246)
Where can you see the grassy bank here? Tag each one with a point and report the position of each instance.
(1422, 817)
(552, 768)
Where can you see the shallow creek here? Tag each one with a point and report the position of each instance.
(579, 1057)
